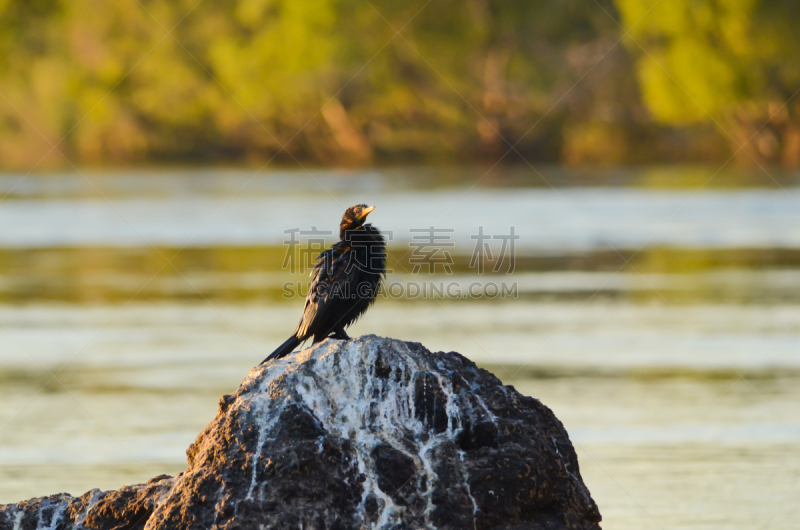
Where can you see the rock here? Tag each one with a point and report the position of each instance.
(366, 433)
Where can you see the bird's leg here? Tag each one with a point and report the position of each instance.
(340, 334)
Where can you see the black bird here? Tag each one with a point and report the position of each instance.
(345, 282)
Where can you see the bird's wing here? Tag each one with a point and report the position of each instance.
(325, 297)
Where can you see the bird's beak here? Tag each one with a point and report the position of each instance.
(365, 213)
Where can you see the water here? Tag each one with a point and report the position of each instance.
(661, 326)
(553, 220)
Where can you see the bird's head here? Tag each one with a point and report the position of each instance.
(354, 217)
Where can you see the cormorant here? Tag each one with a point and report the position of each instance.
(345, 282)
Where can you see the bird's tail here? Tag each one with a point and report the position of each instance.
(284, 349)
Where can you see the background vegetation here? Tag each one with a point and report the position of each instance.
(357, 82)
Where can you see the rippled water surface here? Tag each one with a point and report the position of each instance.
(661, 326)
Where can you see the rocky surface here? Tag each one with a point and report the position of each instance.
(366, 433)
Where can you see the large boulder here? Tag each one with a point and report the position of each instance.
(366, 433)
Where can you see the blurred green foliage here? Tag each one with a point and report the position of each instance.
(731, 62)
(358, 82)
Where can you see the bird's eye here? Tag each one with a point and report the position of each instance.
(358, 211)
